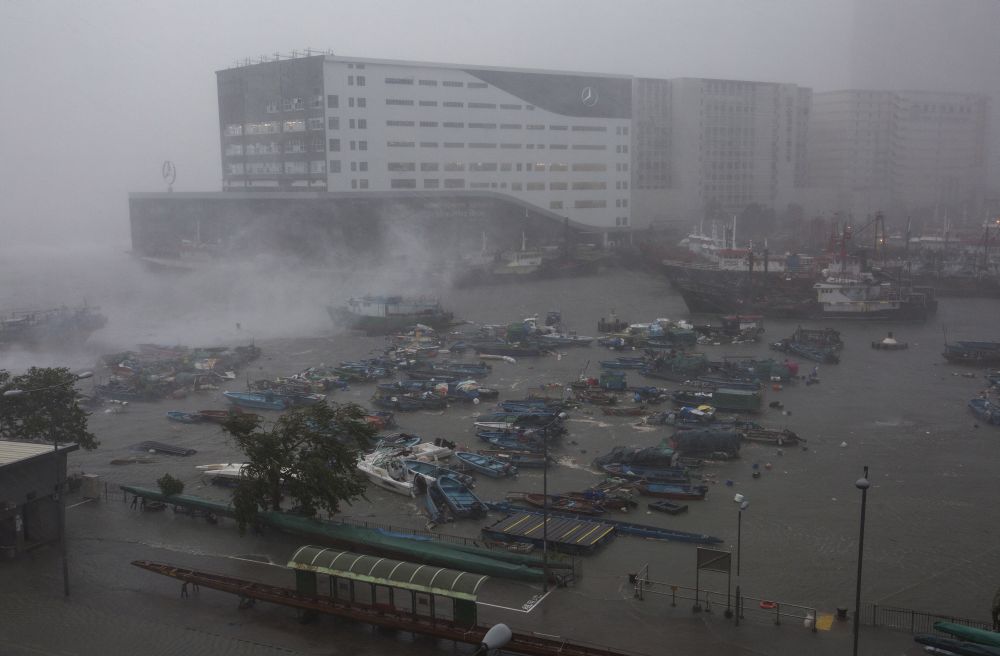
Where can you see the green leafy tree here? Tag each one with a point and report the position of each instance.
(49, 410)
(169, 485)
(307, 455)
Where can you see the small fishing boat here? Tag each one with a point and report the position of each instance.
(511, 440)
(184, 417)
(493, 467)
(985, 410)
(434, 501)
(890, 344)
(669, 475)
(459, 497)
(625, 363)
(257, 400)
(432, 472)
(503, 348)
(668, 491)
(668, 507)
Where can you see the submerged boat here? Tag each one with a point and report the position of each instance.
(667, 491)
(184, 417)
(668, 507)
(889, 343)
(379, 315)
(562, 503)
(492, 467)
(460, 499)
(562, 339)
(257, 400)
(516, 458)
(222, 416)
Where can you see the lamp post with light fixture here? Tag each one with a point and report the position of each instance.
(862, 484)
(59, 496)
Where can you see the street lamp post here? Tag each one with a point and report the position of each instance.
(545, 513)
(862, 484)
(739, 535)
(59, 496)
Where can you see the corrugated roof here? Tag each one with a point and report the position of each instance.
(11, 452)
(386, 571)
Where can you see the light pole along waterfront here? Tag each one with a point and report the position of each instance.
(744, 504)
(862, 484)
(59, 496)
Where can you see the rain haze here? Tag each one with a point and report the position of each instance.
(225, 207)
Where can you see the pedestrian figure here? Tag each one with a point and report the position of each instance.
(184, 590)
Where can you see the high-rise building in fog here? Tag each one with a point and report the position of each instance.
(706, 148)
(933, 44)
(559, 141)
(916, 153)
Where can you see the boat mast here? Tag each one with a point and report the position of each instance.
(734, 232)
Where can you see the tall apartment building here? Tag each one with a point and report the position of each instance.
(708, 148)
(559, 141)
(903, 152)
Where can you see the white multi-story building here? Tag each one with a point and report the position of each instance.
(706, 147)
(900, 151)
(559, 141)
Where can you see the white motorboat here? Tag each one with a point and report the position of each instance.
(387, 470)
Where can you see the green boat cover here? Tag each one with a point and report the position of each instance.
(969, 634)
(466, 558)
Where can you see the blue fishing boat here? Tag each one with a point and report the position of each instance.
(670, 475)
(487, 465)
(510, 440)
(257, 400)
(668, 491)
(436, 506)
(461, 501)
(432, 472)
(984, 411)
(184, 417)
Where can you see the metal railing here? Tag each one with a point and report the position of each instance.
(707, 600)
(914, 621)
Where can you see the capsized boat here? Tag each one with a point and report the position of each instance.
(890, 343)
(459, 497)
(985, 410)
(492, 467)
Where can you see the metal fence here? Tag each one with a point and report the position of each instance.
(743, 606)
(914, 621)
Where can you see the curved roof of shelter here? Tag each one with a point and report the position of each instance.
(386, 571)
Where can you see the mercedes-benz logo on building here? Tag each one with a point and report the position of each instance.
(588, 96)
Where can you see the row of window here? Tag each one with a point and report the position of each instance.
(316, 167)
(272, 127)
(274, 148)
(292, 104)
(434, 83)
(505, 166)
(491, 126)
(620, 149)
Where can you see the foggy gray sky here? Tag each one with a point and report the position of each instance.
(97, 94)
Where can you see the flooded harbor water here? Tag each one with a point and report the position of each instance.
(932, 527)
